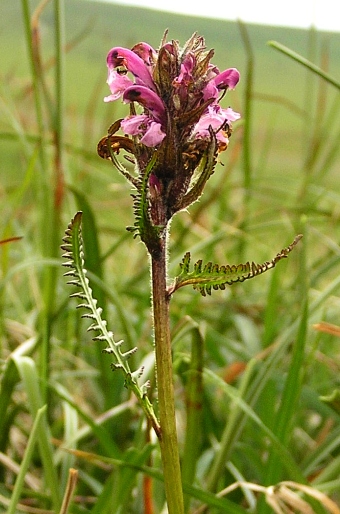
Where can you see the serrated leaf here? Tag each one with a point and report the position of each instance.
(73, 242)
(213, 276)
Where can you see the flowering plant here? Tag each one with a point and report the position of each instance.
(172, 135)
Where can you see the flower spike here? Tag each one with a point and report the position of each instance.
(175, 122)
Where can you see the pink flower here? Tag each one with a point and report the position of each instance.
(228, 79)
(215, 118)
(146, 53)
(185, 76)
(133, 125)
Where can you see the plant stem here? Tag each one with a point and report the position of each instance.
(168, 438)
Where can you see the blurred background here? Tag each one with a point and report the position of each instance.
(279, 177)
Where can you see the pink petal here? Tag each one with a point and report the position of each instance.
(215, 117)
(154, 135)
(231, 115)
(132, 125)
(117, 83)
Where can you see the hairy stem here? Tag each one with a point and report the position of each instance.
(168, 436)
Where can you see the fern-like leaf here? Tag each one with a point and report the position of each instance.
(73, 248)
(213, 276)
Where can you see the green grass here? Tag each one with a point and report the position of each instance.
(265, 366)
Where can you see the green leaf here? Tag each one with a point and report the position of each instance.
(203, 278)
(194, 415)
(35, 432)
(30, 378)
(74, 255)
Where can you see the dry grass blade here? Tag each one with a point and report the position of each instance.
(282, 497)
(69, 492)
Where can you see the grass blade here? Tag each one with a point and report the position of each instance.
(30, 378)
(34, 434)
(305, 62)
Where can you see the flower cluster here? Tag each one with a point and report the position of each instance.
(174, 97)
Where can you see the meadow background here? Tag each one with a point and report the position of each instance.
(279, 177)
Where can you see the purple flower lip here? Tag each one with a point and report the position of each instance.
(154, 135)
(227, 79)
(120, 56)
(187, 67)
(148, 99)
